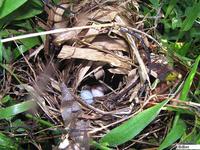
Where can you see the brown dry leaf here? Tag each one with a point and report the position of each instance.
(118, 71)
(99, 72)
(82, 21)
(58, 17)
(68, 52)
(55, 85)
(66, 36)
(105, 42)
(82, 73)
(107, 14)
(91, 34)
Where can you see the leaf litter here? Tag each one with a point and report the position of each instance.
(114, 64)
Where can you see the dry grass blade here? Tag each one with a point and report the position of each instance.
(82, 73)
(39, 99)
(105, 42)
(55, 31)
(69, 52)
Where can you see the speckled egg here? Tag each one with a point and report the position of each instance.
(87, 96)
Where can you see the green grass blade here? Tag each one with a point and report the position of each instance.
(132, 127)
(1, 3)
(16, 109)
(189, 80)
(9, 6)
(99, 146)
(7, 143)
(32, 9)
(172, 4)
(26, 45)
(7, 68)
(41, 121)
(183, 96)
(155, 3)
(191, 16)
(1, 51)
(175, 133)
(5, 99)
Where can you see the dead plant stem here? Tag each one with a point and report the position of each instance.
(55, 31)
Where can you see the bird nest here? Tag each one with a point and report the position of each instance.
(97, 73)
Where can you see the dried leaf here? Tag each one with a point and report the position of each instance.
(118, 71)
(68, 52)
(91, 34)
(107, 14)
(82, 72)
(105, 42)
(58, 17)
(55, 84)
(99, 73)
(66, 36)
(82, 21)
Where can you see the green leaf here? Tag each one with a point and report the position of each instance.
(99, 146)
(26, 45)
(195, 33)
(16, 109)
(7, 143)
(6, 99)
(132, 127)
(18, 125)
(175, 133)
(26, 24)
(1, 3)
(39, 120)
(8, 32)
(56, 1)
(8, 69)
(155, 3)
(7, 54)
(9, 6)
(180, 110)
(1, 51)
(189, 80)
(176, 22)
(184, 49)
(170, 7)
(32, 9)
(191, 16)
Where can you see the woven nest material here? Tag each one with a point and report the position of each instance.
(110, 58)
